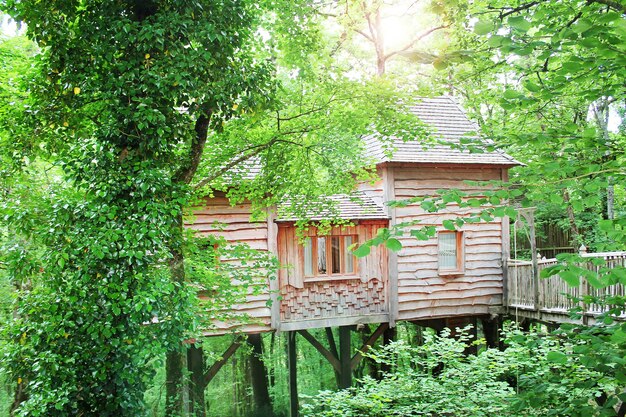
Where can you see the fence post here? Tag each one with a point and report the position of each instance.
(583, 291)
(533, 252)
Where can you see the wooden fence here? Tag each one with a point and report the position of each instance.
(526, 291)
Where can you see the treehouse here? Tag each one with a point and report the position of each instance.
(322, 284)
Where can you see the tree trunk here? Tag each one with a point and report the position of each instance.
(601, 113)
(572, 219)
(258, 372)
(174, 384)
(379, 41)
(19, 398)
(176, 360)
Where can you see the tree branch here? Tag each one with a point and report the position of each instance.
(255, 150)
(188, 169)
(244, 157)
(615, 5)
(414, 41)
(365, 35)
(511, 11)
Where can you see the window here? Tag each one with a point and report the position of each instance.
(451, 256)
(328, 256)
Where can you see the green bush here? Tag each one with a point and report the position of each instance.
(536, 375)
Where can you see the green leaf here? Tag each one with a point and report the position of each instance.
(361, 251)
(556, 357)
(532, 87)
(449, 224)
(619, 336)
(581, 26)
(593, 280)
(572, 278)
(483, 27)
(519, 23)
(440, 64)
(589, 133)
(511, 94)
(393, 244)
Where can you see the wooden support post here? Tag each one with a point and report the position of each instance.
(195, 364)
(492, 326)
(292, 364)
(258, 373)
(345, 357)
(533, 252)
(506, 247)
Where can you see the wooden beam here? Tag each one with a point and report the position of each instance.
(292, 366)
(332, 359)
(272, 246)
(354, 362)
(215, 368)
(506, 247)
(331, 341)
(389, 185)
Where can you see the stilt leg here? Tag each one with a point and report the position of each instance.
(293, 373)
(345, 357)
(195, 364)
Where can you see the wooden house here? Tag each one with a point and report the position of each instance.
(322, 284)
(448, 280)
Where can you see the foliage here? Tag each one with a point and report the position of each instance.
(112, 82)
(123, 101)
(545, 83)
(536, 375)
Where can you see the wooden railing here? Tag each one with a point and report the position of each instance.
(526, 291)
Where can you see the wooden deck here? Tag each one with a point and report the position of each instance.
(551, 299)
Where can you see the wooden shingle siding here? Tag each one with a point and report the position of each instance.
(422, 291)
(334, 300)
(217, 217)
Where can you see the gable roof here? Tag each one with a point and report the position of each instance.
(355, 206)
(449, 124)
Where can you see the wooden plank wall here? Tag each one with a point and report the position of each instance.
(375, 190)
(333, 299)
(422, 292)
(217, 217)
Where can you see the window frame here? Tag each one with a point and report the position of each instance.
(459, 268)
(343, 252)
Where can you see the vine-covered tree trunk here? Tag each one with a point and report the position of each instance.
(174, 384)
(176, 360)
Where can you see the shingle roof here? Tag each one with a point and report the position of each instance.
(356, 206)
(450, 124)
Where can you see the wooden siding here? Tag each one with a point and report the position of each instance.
(422, 291)
(216, 216)
(337, 298)
(375, 190)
